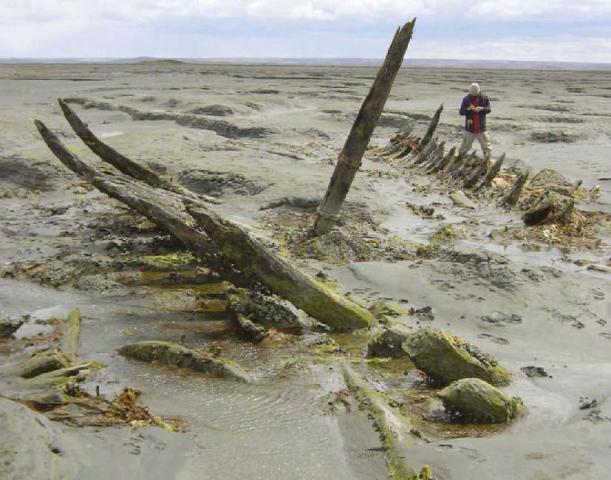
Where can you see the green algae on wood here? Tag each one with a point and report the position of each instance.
(476, 401)
(229, 248)
(63, 377)
(445, 358)
(176, 355)
(394, 428)
(71, 331)
(42, 362)
(258, 262)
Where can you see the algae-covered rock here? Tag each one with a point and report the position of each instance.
(445, 358)
(9, 326)
(473, 400)
(262, 309)
(387, 309)
(42, 362)
(387, 342)
(176, 355)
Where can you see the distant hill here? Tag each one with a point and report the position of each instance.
(418, 62)
(161, 61)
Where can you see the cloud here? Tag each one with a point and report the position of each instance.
(515, 29)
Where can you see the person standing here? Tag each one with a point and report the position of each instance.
(474, 107)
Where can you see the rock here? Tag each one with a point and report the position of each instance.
(263, 309)
(532, 372)
(176, 355)
(42, 362)
(502, 319)
(460, 199)
(29, 448)
(473, 400)
(387, 343)
(387, 309)
(214, 110)
(8, 326)
(445, 358)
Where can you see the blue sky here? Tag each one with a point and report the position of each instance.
(544, 30)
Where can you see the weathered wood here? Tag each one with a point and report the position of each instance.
(120, 161)
(492, 173)
(449, 163)
(550, 207)
(223, 244)
(461, 168)
(277, 274)
(476, 174)
(349, 160)
(161, 207)
(432, 126)
(176, 355)
(514, 194)
(434, 157)
(71, 331)
(425, 152)
(443, 161)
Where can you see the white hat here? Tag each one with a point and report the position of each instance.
(474, 89)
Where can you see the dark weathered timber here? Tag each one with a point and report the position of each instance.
(444, 161)
(432, 126)
(349, 160)
(516, 190)
(227, 247)
(120, 161)
(424, 153)
(474, 176)
(161, 207)
(276, 273)
(550, 207)
(434, 157)
(491, 174)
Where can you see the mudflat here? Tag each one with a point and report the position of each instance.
(263, 139)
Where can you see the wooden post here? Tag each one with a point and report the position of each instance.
(432, 126)
(349, 160)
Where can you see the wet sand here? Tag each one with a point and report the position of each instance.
(255, 134)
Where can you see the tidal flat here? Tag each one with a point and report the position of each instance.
(263, 140)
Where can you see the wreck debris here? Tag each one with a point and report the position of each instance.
(253, 313)
(394, 428)
(445, 358)
(41, 362)
(516, 190)
(8, 326)
(475, 401)
(70, 330)
(349, 160)
(222, 243)
(176, 355)
(550, 207)
(432, 126)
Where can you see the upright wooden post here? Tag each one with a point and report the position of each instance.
(349, 159)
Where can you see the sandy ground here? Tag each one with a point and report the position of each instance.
(277, 131)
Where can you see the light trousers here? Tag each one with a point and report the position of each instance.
(484, 140)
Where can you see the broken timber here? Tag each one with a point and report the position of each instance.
(120, 161)
(228, 247)
(349, 160)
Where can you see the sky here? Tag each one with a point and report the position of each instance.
(538, 30)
